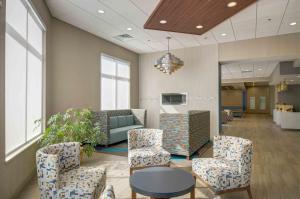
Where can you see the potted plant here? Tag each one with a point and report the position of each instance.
(75, 125)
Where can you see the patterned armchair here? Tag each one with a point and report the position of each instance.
(60, 175)
(230, 167)
(145, 149)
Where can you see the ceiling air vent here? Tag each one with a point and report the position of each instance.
(123, 37)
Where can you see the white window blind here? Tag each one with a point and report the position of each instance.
(23, 75)
(115, 83)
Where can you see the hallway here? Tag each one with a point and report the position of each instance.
(276, 164)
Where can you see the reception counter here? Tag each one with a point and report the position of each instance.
(287, 120)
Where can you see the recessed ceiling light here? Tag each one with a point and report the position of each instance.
(101, 11)
(199, 26)
(223, 34)
(231, 4)
(293, 23)
(291, 80)
(129, 29)
(260, 69)
(163, 21)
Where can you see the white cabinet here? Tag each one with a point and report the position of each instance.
(287, 120)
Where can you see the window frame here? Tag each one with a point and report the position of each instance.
(31, 10)
(116, 78)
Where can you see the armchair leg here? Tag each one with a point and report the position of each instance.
(130, 171)
(249, 192)
(133, 195)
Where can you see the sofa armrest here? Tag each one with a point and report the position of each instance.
(140, 116)
(102, 117)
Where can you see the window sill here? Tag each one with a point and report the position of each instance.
(21, 149)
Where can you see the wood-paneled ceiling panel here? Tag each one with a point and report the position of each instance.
(184, 16)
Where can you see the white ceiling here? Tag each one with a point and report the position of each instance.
(252, 22)
(248, 71)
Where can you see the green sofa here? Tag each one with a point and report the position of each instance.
(116, 123)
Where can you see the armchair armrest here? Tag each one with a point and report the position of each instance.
(47, 163)
(102, 117)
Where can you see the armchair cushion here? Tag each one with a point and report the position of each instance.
(148, 156)
(84, 182)
(221, 174)
(113, 121)
(120, 134)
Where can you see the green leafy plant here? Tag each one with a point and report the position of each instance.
(75, 125)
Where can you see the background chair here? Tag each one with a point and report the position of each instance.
(230, 167)
(60, 175)
(145, 149)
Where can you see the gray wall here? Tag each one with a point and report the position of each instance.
(74, 76)
(198, 78)
(291, 96)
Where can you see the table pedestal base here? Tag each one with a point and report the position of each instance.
(192, 195)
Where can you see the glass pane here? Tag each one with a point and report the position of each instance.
(108, 66)
(35, 34)
(34, 95)
(108, 94)
(15, 88)
(262, 103)
(252, 103)
(123, 70)
(123, 94)
(16, 15)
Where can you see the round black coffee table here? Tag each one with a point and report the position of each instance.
(162, 182)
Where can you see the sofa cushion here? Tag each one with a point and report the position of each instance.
(122, 121)
(113, 121)
(125, 129)
(129, 120)
(148, 156)
(120, 134)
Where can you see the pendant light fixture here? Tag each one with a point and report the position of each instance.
(168, 63)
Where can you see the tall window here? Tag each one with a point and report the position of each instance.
(23, 75)
(115, 83)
